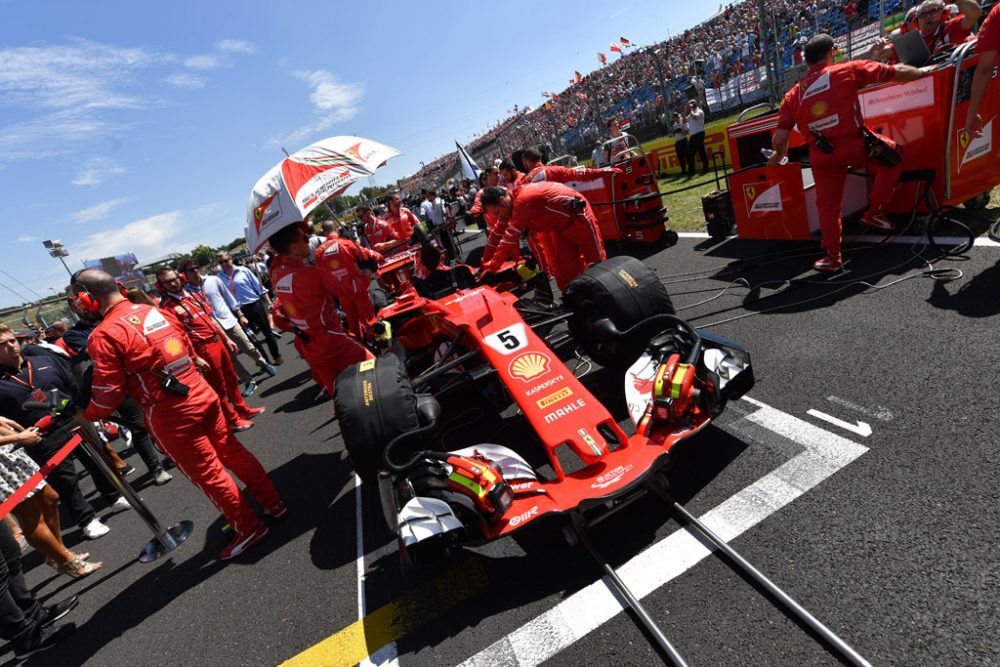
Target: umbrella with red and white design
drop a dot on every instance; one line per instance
(305, 179)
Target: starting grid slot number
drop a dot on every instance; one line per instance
(509, 340)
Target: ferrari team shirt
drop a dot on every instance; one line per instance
(989, 32)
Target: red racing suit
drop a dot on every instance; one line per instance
(402, 223)
(562, 224)
(555, 173)
(989, 32)
(493, 232)
(340, 257)
(305, 300)
(380, 231)
(826, 101)
(195, 315)
(132, 348)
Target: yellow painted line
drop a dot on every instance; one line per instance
(396, 619)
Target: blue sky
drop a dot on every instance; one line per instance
(142, 126)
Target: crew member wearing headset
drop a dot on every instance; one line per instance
(143, 352)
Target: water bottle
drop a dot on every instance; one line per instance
(767, 153)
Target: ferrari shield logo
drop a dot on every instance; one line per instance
(134, 320)
(963, 138)
(750, 191)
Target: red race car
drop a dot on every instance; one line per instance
(453, 337)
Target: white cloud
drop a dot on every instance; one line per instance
(235, 46)
(333, 100)
(163, 233)
(97, 170)
(206, 61)
(185, 80)
(68, 91)
(27, 239)
(79, 75)
(97, 211)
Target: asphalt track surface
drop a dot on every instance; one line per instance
(890, 539)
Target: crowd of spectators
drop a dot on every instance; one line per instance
(645, 85)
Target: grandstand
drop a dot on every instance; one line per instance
(728, 57)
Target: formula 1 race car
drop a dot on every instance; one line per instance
(454, 337)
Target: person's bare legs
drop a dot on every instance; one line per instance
(30, 514)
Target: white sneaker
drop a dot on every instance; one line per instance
(162, 478)
(95, 529)
(121, 504)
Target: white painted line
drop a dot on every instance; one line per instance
(861, 428)
(878, 412)
(905, 240)
(583, 612)
(387, 655)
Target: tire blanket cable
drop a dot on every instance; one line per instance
(917, 250)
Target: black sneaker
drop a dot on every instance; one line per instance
(54, 612)
(41, 639)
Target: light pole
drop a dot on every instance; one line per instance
(56, 249)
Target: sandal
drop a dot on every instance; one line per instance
(82, 556)
(77, 568)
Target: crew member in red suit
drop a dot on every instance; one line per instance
(142, 352)
(936, 25)
(380, 234)
(538, 172)
(824, 105)
(210, 344)
(306, 308)
(352, 266)
(400, 218)
(489, 178)
(509, 175)
(987, 46)
(558, 218)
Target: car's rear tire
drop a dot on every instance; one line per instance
(622, 289)
(375, 402)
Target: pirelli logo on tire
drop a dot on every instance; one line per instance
(627, 278)
(554, 397)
